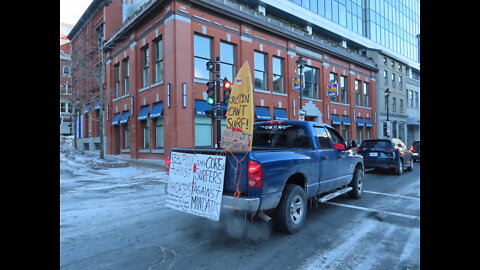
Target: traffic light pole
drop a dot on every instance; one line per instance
(217, 108)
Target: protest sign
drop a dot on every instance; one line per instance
(195, 184)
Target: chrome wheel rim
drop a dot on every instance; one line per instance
(296, 209)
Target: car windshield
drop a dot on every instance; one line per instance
(280, 135)
(383, 144)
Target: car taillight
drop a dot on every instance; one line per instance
(392, 150)
(412, 148)
(167, 162)
(254, 174)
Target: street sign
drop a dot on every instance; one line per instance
(332, 90)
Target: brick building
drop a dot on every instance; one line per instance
(155, 74)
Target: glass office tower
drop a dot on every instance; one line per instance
(393, 24)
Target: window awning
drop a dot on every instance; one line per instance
(116, 119)
(346, 120)
(97, 105)
(360, 122)
(87, 108)
(280, 114)
(144, 111)
(262, 113)
(335, 120)
(125, 116)
(157, 110)
(368, 122)
(201, 106)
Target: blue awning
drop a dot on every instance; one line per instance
(368, 122)
(97, 105)
(116, 119)
(201, 106)
(125, 116)
(346, 120)
(157, 110)
(360, 122)
(280, 114)
(335, 120)
(87, 108)
(144, 111)
(262, 113)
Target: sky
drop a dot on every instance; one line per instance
(72, 10)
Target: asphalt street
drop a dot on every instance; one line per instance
(111, 224)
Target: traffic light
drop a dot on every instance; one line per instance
(227, 89)
(211, 92)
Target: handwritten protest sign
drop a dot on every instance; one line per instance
(195, 184)
(239, 124)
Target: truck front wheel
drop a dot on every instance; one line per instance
(291, 212)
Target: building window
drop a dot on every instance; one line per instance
(260, 70)
(158, 60)
(63, 107)
(66, 71)
(393, 79)
(117, 79)
(393, 64)
(159, 133)
(227, 61)
(410, 98)
(99, 31)
(202, 51)
(385, 77)
(359, 135)
(358, 100)
(333, 79)
(384, 61)
(343, 89)
(146, 134)
(203, 131)
(311, 82)
(367, 132)
(416, 100)
(126, 136)
(394, 104)
(344, 132)
(277, 74)
(145, 66)
(401, 105)
(366, 95)
(126, 76)
(400, 82)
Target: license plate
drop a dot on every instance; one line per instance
(374, 154)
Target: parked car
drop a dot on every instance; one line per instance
(415, 148)
(386, 153)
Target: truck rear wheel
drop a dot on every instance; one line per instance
(291, 212)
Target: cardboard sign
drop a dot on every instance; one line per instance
(239, 124)
(195, 184)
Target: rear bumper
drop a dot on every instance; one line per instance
(251, 204)
(379, 163)
(240, 204)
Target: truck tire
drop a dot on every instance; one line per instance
(356, 184)
(291, 212)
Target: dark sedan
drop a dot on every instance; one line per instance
(415, 148)
(386, 153)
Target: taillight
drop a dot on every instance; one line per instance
(392, 150)
(167, 162)
(412, 148)
(254, 174)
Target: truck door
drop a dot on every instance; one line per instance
(327, 156)
(343, 163)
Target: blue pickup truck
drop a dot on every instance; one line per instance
(290, 162)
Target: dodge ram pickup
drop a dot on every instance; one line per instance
(290, 162)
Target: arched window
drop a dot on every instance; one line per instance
(66, 71)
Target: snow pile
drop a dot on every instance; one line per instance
(75, 164)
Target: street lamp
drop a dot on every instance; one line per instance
(301, 64)
(387, 94)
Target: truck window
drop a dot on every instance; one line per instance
(337, 138)
(322, 137)
(284, 135)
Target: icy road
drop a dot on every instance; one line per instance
(115, 218)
